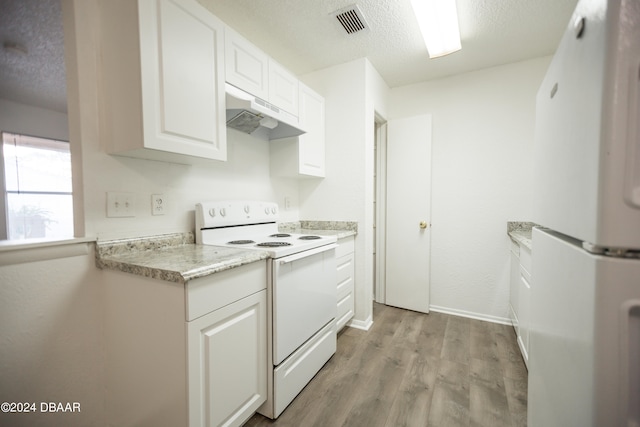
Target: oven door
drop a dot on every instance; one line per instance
(304, 297)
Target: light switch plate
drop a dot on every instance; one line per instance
(120, 204)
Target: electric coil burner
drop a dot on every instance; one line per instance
(241, 242)
(273, 244)
(301, 291)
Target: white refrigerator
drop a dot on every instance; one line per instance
(584, 348)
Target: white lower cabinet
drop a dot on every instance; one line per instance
(227, 351)
(186, 355)
(520, 296)
(514, 284)
(345, 280)
(524, 303)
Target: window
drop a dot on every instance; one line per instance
(37, 187)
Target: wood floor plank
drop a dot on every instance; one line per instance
(450, 403)
(483, 344)
(431, 335)
(409, 329)
(516, 391)
(488, 400)
(509, 353)
(488, 406)
(488, 372)
(413, 400)
(456, 344)
(372, 407)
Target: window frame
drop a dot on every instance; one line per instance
(35, 142)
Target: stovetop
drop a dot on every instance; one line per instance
(276, 244)
(250, 225)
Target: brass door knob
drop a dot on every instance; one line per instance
(423, 224)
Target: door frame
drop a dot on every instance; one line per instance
(380, 209)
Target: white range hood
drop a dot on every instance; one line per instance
(247, 113)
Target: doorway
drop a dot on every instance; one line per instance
(402, 210)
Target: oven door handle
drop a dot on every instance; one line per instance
(305, 254)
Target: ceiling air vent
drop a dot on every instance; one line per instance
(351, 19)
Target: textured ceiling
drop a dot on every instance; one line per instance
(36, 77)
(304, 36)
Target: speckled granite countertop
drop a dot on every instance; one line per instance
(340, 229)
(170, 257)
(520, 232)
(176, 258)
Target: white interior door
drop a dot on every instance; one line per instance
(408, 210)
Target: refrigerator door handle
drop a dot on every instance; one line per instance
(632, 178)
(630, 369)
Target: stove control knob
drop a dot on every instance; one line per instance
(212, 212)
(273, 210)
(266, 211)
(223, 212)
(246, 208)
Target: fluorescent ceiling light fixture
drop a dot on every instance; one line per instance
(438, 20)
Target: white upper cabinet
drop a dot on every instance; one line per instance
(311, 150)
(163, 74)
(302, 156)
(253, 71)
(247, 67)
(283, 88)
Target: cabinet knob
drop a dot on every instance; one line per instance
(423, 224)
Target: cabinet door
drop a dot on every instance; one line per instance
(283, 88)
(514, 285)
(227, 351)
(246, 65)
(182, 72)
(311, 148)
(524, 316)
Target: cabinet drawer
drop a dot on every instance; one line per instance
(524, 315)
(515, 248)
(345, 310)
(217, 290)
(344, 275)
(292, 375)
(525, 258)
(345, 246)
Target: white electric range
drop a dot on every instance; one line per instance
(301, 290)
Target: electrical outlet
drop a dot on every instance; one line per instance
(120, 204)
(287, 203)
(158, 204)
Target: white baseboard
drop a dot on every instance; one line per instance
(360, 324)
(471, 315)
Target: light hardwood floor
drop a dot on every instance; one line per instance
(413, 369)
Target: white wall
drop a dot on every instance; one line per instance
(483, 125)
(33, 121)
(244, 176)
(353, 92)
(51, 345)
